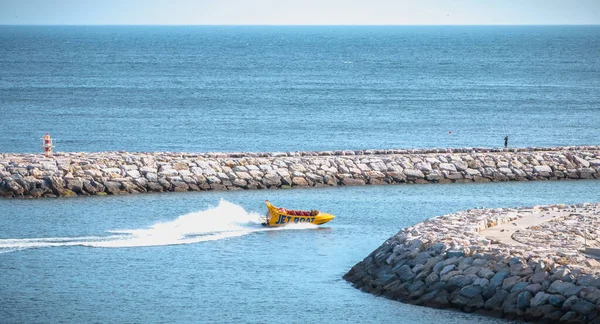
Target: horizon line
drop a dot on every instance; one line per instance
(295, 25)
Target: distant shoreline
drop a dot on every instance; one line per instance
(101, 173)
(302, 25)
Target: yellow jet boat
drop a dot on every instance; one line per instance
(281, 216)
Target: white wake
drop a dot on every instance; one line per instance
(223, 221)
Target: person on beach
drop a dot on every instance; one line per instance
(506, 141)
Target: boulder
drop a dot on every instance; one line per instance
(460, 281)
(299, 182)
(470, 291)
(583, 307)
(566, 289)
(539, 299)
(56, 184)
(271, 180)
(431, 278)
(12, 187)
(570, 317)
(509, 307)
(413, 174)
(405, 273)
(351, 182)
(447, 269)
(76, 185)
(534, 288)
(519, 286)
(154, 187)
(536, 312)
(543, 169)
(539, 277)
(486, 273)
(588, 280)
(591, 294)
(582, 162)
(498, 278)
(556, 300)
(112, 187)
(447, 167)
(523, 299)
(509, 282)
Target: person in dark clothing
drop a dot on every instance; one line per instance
(506, 141)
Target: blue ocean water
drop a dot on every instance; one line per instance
(240, 88)
(202, 257)
(195, 258)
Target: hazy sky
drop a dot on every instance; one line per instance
(299, 12)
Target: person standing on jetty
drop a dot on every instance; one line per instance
(506, 141)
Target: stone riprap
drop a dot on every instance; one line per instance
(527, 264)
(71, 174)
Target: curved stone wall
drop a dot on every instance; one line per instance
(529, 264)
(70, 174)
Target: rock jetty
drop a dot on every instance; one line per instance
(74, 174)
(527, 264)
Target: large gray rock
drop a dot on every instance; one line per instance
(498, 278)
(405, 273)
(581, 161)
(509, 282)
(415, 287)
(583, 307)
(539, 277)
(462, 280)
(542, 311)
(152, 177)
(591, 294)
(447, 269)
(154, 187)
(589, 280)
(413, 174)
(271, 180)
(510, 304)
(350, 182)
(566, 289)
(438, 266)
(570, 317)
(481, 282)
(112, 187)
(461, 165)
(471, 291)
(496, 299)
(431, 278)
(523, 299)
(542, 169)
(486, 273)
(447, 167)
(519, 286)
(56, 184)
(562, 274)
(76, 185)
(556, 300)
(539, 299)
(534, 288)
(12, 187)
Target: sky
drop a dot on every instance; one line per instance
(299, 12)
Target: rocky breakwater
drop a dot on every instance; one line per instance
(71, 174)
(528, 264)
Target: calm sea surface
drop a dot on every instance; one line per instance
(199, 89)
(203, 257)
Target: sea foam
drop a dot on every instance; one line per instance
(226, 220)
